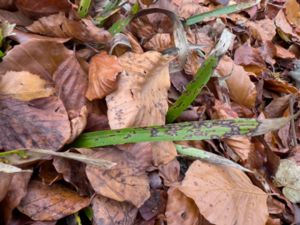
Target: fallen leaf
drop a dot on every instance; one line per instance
(6, 4)
(35, 120)
(15, 193)
(287, 31)
(170, 172)
(58, 25)
(6, 179)
(181, 209)
(24, 85)
(103, 72)
(263, 30)
(42, 7)
(14, 18)
(241, 145)
(107, 212)
(250, 59)
(127, 181)
(155, 205)
(44, 202)
(241, 89)
(284, 53)
(141, 98)
(292, 9)
(280, 86)
(202, 39)
(159, 42)
(277, 106)
(287, 176)
(225, 195)
(190, 8)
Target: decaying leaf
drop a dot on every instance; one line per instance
(287, 176)
(225, 195)
(292, 9)
(17, 190)
(44, 202)
(241, 145)
(127, 181)
(241, 89)
(285, 29)
(160, 42)
(263, 30)
(103, 72)
(24, 85)
(43, 123)
(5, 183)
(181, 209)
(141, 97)
(107, 212)
(58, 25)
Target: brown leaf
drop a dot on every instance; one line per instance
(6, 4)
(5, 183)
(284, 53)
(58, 25)
(14, 17)
(224, 195)
(44, 202)
(42, 7)
(241, 89)
(47, 173)
(250, 59)
(74, 173)
(241, 145)
(127, 181)
(108, 212)
(16, 191)
(141, 98)
(190, 8)
(170, 172)
(280, 86)
(24, 86)
(202, 39)
(136, 47)
(155, 205)
(277, 106)
(103, 72)
(292, 9)
(35, 120)
(282, 23)
(263, 30)
(159, 42)
(181, 209)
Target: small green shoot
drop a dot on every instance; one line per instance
(84, 8)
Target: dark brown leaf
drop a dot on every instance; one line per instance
(43, 123)
(14, 17)
(44, 202)
(5, 183)
(16, 191)
(108, 212)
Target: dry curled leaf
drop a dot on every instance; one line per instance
(190, 8)
(16, 191)
(225, 195)
(58, 25)
(24, 85)
(141, 98)
(127, 181)
(292, 9)
(107, 211)
(35, 120)
(44, 202)
(282, 23)
(262, 30)
(159, 42)
(103, 72)
(241, 89)
(14, 18)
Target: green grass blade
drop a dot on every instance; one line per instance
(197, 130)
(84, 8)
(208, 156)
(193, 88)
(221, 11)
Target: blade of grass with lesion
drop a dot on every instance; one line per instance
(83, 9)
(197, 130)
(201, 78)
(220, 11)
(208, 157)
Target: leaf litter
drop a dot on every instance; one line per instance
(181, 112)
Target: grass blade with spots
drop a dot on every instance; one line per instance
(84, 8)
(193, 88)
(221, 11)
(197, 130)
(208, 157)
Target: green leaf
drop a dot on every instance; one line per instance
(208, 156)
(197, 130)
(193, 88)
(220, 11)
(88, 212)
(84, 8)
